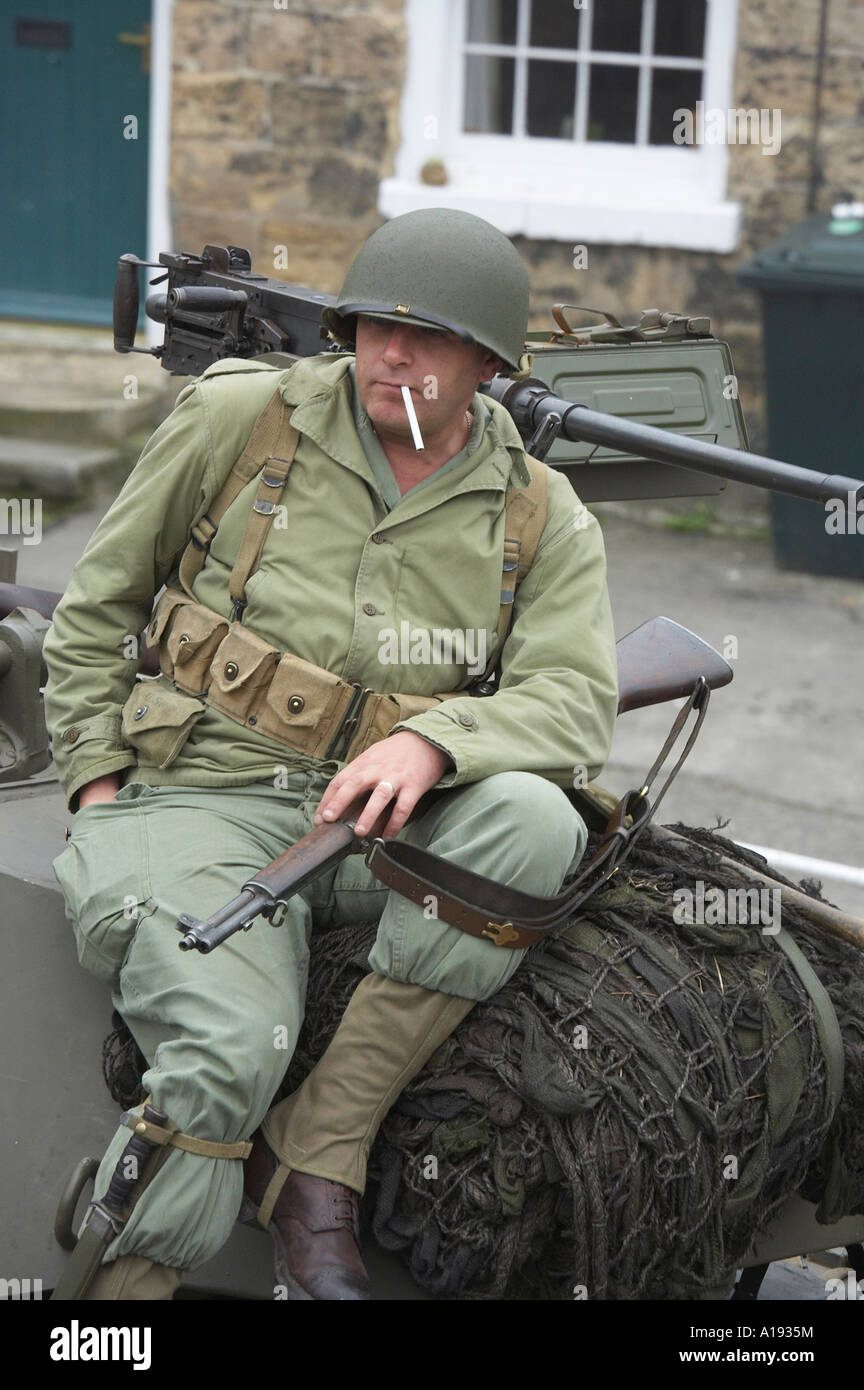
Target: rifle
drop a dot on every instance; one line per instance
(658, 661)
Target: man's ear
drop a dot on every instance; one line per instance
(490, 366)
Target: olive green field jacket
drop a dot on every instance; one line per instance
(341, 583)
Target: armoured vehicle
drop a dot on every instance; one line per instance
(583, 405)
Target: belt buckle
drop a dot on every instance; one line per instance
(500, 935)
(348, 719)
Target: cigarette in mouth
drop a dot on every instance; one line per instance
(412, 418)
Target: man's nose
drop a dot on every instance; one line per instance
(397, 347)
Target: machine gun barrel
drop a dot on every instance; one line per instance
(531, 403)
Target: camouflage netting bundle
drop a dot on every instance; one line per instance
(629, 1111)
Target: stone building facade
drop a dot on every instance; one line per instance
(286, 118)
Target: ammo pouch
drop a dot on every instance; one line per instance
(157, 721)
(282, 696)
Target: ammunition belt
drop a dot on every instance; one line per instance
(274, 693)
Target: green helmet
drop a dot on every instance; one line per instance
(438, 267)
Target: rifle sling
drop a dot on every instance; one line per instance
(506, 916)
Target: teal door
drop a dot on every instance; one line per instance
(74, 117)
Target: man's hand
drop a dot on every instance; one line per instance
(403, 766)
(100, 789)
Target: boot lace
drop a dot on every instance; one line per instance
(345, 1205)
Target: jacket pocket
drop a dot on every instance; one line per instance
(157, 721)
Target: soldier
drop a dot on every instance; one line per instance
(297, 682)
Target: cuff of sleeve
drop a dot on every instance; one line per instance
(452, 731)
(88, 749)
(100, 769)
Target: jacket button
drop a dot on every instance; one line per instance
(378, 538)
(140, 712)
(468, 720)
(369, 609)
(71, 735)
(231, 671)
(296, 703)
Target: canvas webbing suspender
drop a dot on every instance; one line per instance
(272, 430)
(525, 517)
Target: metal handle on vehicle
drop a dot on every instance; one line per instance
(83, 1172)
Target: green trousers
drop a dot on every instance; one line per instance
(219, 1030)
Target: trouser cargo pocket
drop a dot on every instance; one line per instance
(157, 721)
(103, 872)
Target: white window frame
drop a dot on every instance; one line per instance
(159, 229)
(578, 192)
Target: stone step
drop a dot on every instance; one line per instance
(69, 383)
(40, 468)
(73, 412)
(76, 417)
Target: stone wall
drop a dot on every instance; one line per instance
(284, 123)
(286, 119)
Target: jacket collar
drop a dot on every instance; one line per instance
(319, 390)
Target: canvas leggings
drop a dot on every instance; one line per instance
(219, 1030)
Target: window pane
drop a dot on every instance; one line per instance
(612, 103)
(551, 97)
(679, 31)
(489, 94)
(673, 91)
(492, 21)
(618, 25)
(554, 24)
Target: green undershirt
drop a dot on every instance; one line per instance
(380, 464)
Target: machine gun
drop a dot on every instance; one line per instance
(605, 380)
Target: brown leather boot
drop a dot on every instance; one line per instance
(315, 1225)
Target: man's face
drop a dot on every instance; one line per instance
(441, 371)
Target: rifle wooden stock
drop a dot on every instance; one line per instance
(322, 848)
(313, 854)
(661, 660)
